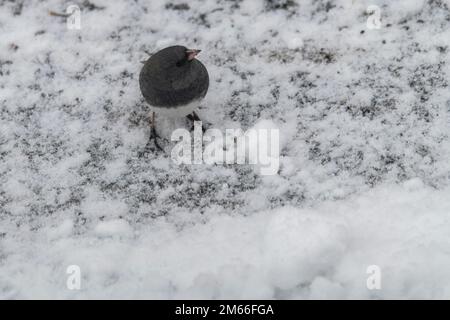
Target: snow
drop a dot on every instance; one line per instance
(112, 228)
(363, 173)
(317, 252)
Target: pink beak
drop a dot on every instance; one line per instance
(192, 53)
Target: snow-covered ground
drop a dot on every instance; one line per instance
(364, 173)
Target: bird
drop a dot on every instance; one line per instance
(173, 82)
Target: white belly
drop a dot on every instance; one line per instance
(180, 111)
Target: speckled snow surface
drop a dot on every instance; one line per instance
(364, 166)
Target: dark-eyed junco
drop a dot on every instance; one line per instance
(173, 82)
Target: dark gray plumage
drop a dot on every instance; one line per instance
(172, 81)
(171, 78)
